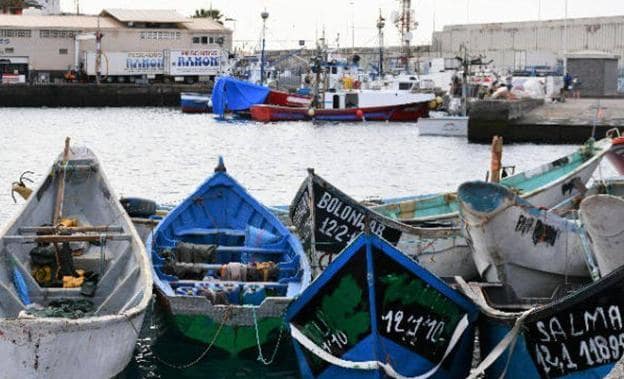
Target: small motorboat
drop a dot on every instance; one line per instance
(443, 124)
(375, 313)
(75, 281)
(193, 102)
(226, 268)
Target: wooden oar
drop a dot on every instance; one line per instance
(60, 193)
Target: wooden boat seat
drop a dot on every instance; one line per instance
(192, 283)
(63, 238)
(208, 232)
(247, 249)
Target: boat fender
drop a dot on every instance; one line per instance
(233, 271)
(137, 207)
(311, 112)
(359, 114)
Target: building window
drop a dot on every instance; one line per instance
(211, 39)
(204, 40)
(196, 40)
(161, 35)
(15, 33)
(9, 50)
(63, 52)
(71, 34)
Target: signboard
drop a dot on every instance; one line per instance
(126, 63)
(13, 79)
(581, 334)
(194, 62)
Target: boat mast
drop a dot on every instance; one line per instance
(265, 16)
(381, 23)
(405, 27)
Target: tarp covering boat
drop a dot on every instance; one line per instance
(231, 94)
(375, 313)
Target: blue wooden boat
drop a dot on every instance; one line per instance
(226, 268)
(579, 335)
(375, 313)
(192, 102)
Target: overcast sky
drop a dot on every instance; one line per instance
(292, 20)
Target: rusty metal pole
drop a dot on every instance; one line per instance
(496, 160)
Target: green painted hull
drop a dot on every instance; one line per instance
(234, 340)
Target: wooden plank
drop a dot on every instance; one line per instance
(60, 193)
(77, 229)
(61, 239)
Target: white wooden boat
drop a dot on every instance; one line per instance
(442, 124)
(34, 341)
(603, 218)
(530, 249)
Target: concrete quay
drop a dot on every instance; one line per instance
(93, 95)
(526, 121)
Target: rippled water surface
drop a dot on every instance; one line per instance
(164, 155)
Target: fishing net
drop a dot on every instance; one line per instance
(65, 308)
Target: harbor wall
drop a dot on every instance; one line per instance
(93, 95)
(516, 122)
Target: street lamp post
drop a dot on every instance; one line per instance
(265, 16)
(565, 40)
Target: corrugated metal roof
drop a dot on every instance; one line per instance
(145, 15)
(57, 22)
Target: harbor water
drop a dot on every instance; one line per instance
(164, 155)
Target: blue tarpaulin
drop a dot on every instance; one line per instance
(231, 94)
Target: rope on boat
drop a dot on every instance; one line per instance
(376, 365)
(203, 354)
(277, 345)
(506, 344)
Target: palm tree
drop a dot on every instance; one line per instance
(214, 14)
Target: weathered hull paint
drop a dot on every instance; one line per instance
(603, 218)
(62, 348)
(232, 339)
(530, 249)
(200, 321)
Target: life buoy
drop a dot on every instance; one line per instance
(357, 84)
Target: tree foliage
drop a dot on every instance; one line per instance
(214, 14)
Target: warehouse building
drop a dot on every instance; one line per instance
(518, 45)
(45, 47)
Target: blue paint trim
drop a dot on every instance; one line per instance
(370, 280)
